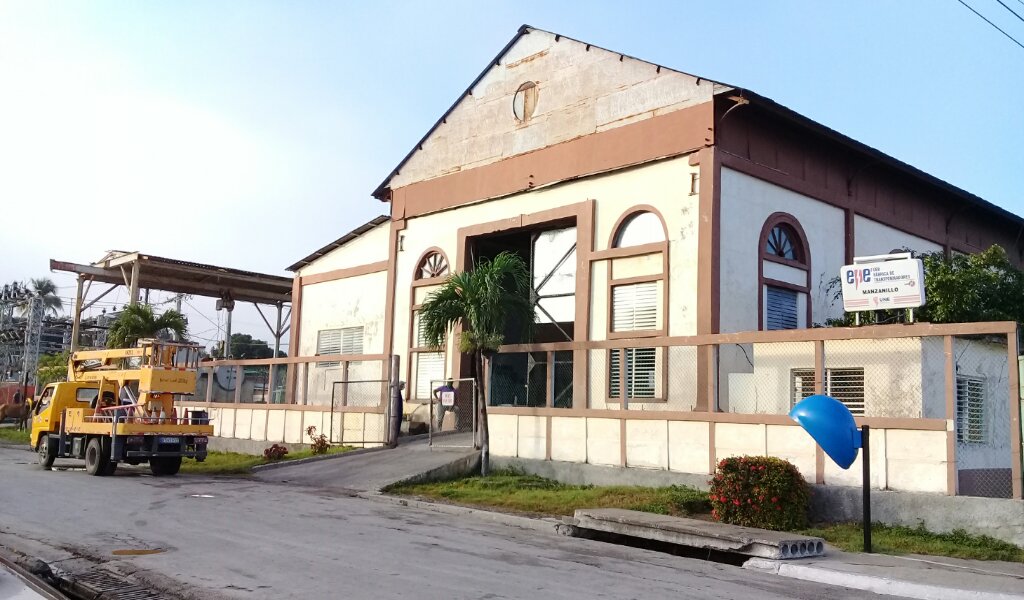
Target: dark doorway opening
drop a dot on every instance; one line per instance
(522, 379)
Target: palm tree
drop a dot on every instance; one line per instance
(138, 321)
(481, 301)
(43, 289)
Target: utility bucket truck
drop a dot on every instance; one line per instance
(118, 406)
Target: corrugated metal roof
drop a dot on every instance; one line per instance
(348, 237)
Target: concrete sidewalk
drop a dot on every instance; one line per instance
(911, 576)
(373, 471)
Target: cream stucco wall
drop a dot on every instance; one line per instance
(747, 202)
(580, 90)
(368, 248)
(663, 184)
(276, 425)
(902, 460)
(352, 302)
(872, 238)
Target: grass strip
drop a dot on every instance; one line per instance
(515, 491)
(234, 463)
(898, 539)
(11, 435)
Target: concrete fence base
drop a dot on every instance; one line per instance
(998, 518)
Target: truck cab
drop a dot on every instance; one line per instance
(55, 398)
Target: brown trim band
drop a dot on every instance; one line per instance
(1015, 409)
(629, 251)
(871, 332)
(671, 134)
(377, 410)
(337, 274)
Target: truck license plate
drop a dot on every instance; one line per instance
(170, 440)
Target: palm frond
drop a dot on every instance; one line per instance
(482, 301)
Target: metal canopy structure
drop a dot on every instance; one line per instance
(138, 271)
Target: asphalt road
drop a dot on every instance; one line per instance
(239, 538)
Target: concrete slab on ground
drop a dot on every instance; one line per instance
(925, 577)
(695, 533)
(373, 471)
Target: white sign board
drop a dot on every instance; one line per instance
(883, 284)
(448, 398)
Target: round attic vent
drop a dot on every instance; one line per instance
(525, 101)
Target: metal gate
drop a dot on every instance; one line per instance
(361, 405)
(453, 413)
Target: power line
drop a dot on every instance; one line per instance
(1013, 39)
(1011, 10)
(217, 325)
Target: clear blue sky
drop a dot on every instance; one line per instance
(248, 134)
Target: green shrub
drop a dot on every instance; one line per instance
(759, 491)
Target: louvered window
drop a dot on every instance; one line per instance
(641, 372)
(429, 371)
(347, 340)
(781, 310)
(845, 385)
(970, 410)
(420, 338)
(635, 307)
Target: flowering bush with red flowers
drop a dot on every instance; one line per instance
(275, 452)
(759, 491)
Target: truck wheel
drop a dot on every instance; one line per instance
(111, 467)
(47, 452)
(96, 460)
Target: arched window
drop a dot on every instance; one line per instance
(433, 264)
(784, 272)
(427, 365)
(783, 242)
(643, 227)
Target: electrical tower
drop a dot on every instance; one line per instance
(33, 336)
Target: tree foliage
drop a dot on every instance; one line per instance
(482, 302)
(245, 346)
(962, 288)
(52, 367)
(138, 321)
(45, 290)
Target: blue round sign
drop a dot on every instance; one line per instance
(831, 424)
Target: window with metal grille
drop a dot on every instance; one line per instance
(641, 371)
(635, 307)
(781, 308)
(970, 410)
(347, 340)
(845, 385)
(429, 373)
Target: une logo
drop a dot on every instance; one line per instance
(858, 276)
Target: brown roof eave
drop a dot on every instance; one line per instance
(789, 114)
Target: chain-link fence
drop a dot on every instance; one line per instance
(981, 416)
(453, 413)
(532, 379)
